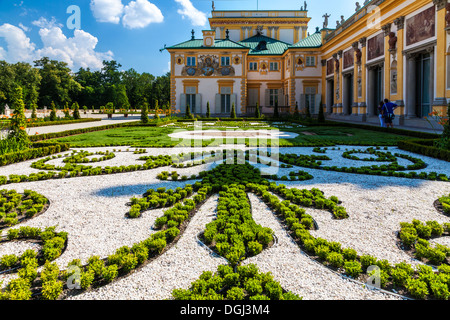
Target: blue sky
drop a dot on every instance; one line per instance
(128, 31)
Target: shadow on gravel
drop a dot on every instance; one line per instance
(138, 190)
(369, 182)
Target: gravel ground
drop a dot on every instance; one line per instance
(65, 127)
(92, 210)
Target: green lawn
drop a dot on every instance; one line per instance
(158, 137)
(341, 135)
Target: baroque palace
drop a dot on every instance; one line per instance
(394, 49)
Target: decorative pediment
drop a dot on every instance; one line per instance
(208, 66)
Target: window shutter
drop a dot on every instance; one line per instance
(182, 103)
(267, 98)
(302, 101)
(281, 102)
(218, 106)
(318, 99)
(198, 104)
(233, 99)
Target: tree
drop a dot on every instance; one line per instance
(53, 112)
(321, 117)
(276, 113)
(188, 112)
(296, 113)
(76, 111)
(34, 95)
(110, 73)
(18, 120)
(66, 111)
(122, 98)
(29, 79)
(208, 110)
(110, 108)
(110, 94)
(308, 112)
(57, 84)
(144, 88)
(233, 111)
(161, 89)
(19, 75)
(92, 92)
(144, 112)
(257, 111)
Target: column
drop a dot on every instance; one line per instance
(387, 62)
(354, 106)
(371, 94)
(296, 34)
(336, 91)
(411, 86)
(276, 32)
(304, 32)
(292, 93)
(400, 23)
(243, 33)
(440, 101)
(324, 92)
(340, 81)
(363, 100)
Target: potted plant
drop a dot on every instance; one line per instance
(110, 109)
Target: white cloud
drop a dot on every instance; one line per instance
(18, 46)
(107, 10)
(44, 23)
(78, 51)
(140, 13)
(24, 28)
(197, 17)
(2, 54)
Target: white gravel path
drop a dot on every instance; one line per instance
(65, 127)
(299, 273)
(177, 268)
(92, 210)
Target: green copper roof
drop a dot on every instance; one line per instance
(257, 45)
(313, 41)
(272, 46)
(198, 44)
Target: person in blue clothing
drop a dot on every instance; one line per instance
(380, 114)
(388, 113)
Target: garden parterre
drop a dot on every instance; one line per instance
(90, 209)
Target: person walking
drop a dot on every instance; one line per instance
(388, 113)
(380, 114)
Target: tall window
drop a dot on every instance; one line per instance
(253, 66)
(274, 66)
(191, 93)
(225, 61)
(225, 102)
(225, 99)
(190, 61)
(310, 93)
(273, 95)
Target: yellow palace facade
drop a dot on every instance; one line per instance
(394, 49)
